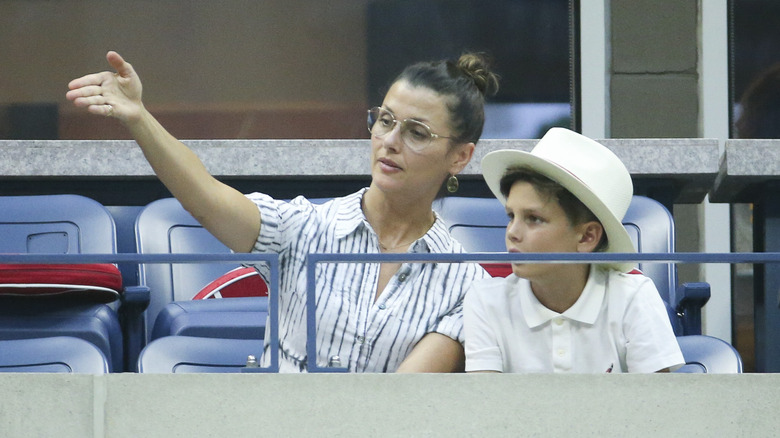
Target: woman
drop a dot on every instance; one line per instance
(373, 318)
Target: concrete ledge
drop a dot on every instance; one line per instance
(133, 405)
(746, 166)
(690, 165)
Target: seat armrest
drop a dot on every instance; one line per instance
(135, 300)
(693, 296)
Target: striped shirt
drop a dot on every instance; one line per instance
(367, 335)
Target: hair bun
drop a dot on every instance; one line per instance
(477, 67)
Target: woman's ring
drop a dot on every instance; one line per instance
(110, 111)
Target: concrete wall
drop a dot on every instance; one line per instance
(654, 78)
(227, 69)
(654, 88)
(280, 51)
(449, 405)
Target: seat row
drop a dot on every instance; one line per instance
(155, 303)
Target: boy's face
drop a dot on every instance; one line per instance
(539, 225)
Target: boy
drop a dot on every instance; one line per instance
(569, 194)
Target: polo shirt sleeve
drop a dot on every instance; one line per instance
(482, 347)
(651, 343)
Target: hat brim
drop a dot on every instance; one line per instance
(495, 165)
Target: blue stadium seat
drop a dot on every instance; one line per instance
(164, 227)
(236, 318)
(706, 354)
(479, 224)
(59, 224)
(55, 354)
(651, 228)
(187, 354)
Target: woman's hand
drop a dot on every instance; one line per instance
(110, 94)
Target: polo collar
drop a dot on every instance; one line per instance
(585, 310)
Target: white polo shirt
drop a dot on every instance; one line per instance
(619, 324)
(367, 335)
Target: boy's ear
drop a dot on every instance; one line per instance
(590, 236)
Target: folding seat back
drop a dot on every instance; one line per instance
(55, 224)
(479, 224)
(55, 354)
(60, 299)
(651, 228)
(164, 227)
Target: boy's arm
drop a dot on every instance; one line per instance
(483, 353)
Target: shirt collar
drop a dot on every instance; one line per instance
(350, 218)
(585, 310)
(349, 215)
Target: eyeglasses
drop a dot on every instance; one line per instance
(416, 135)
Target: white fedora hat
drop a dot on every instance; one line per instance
(587, 169)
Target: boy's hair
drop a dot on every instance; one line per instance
(576, 212)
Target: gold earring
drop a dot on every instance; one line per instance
(452, 184)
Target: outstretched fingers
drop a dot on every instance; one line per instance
(107, 93)
(122, 67)
(77, 86)
(84, 95)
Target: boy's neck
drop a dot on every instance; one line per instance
(561, 292)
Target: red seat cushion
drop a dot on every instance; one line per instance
(240, 282)
(498, 269)
(246, 282)
(504, 269)
(100, 282)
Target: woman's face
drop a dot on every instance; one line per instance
(398, 168)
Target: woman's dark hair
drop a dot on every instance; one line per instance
(466, 81)
(575, 210)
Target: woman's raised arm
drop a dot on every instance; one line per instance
(225, 212)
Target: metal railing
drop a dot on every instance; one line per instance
(314, 259)
(271, 259)
(678, 257)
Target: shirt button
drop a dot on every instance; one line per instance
(402, 277)
(561, 352)
(382, 306)
(361, 339)
(558, 321)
